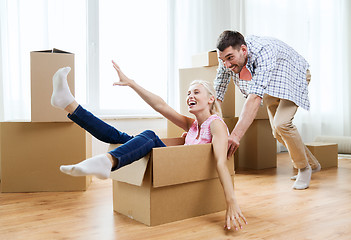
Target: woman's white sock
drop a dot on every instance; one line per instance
(99, 166)
(303, 178)
(61, 95)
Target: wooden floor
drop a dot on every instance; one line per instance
(272, 208)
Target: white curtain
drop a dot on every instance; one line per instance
(318, 30)
(14, 91)
(194, 27)
(27, 26)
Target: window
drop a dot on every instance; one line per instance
(27, 26)
(134, 34)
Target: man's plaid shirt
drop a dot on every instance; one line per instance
(276, 69)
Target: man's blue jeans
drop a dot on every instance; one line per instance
(133, 148)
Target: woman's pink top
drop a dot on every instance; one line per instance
(205, 132)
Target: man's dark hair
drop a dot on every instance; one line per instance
(230, 38)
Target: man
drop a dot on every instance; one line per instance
(267, 69)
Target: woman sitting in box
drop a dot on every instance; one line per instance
(207, 127)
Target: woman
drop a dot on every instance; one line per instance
(207, 127)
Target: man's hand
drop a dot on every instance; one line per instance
(233, 144)
(248, 114)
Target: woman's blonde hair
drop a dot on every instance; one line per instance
(215, 108)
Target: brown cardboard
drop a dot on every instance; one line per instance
(133, 173)
(44, 65)
(229, 102)
(326, 153)
(173, 131)
(206, 59)
(31, 154)
(179, 182)
(258, 147)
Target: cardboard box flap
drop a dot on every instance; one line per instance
(182, 164)
(54, 50)
(317, 144)
(132, 173)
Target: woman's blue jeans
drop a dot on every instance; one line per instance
(133, 148)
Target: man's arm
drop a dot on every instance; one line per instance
(246, 118)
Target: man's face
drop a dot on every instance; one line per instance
(234, 59)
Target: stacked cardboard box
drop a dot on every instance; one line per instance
(170, 184)
(31, 152)
(258, 147)
(44, 64)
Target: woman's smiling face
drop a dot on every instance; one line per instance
(198, 98)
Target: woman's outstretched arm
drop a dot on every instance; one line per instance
(155, 101)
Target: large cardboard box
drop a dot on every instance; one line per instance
(31, 154)
(206, 59)
(170, 184)
(258, 147)
(44, 64)
(326, 153)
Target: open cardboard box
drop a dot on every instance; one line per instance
(169, 184)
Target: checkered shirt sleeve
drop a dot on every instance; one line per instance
(222, 80)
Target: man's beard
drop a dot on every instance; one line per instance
(237, 68)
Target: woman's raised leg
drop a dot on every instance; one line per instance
(63, 99)
(99, 165)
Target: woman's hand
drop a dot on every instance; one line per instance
(123, 79)
(234, 217)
